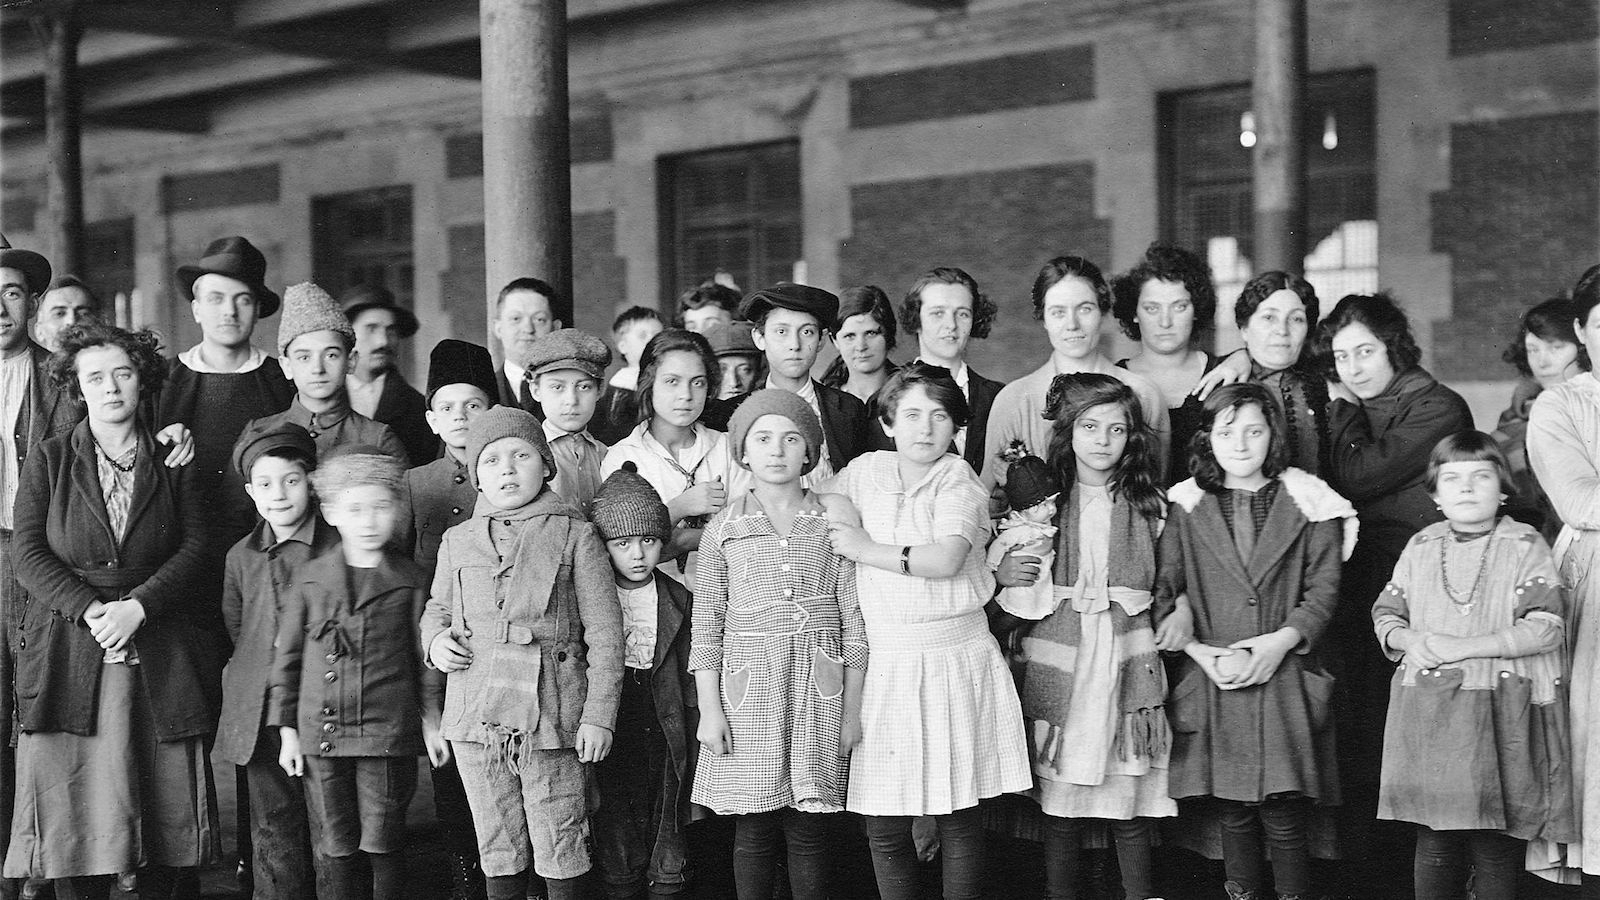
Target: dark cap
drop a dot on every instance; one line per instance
(788, 295)
(460, 362)
(236, 258)
(568, 348)
(732, 339)
(34, 267)
(363, 297)
(259, 440)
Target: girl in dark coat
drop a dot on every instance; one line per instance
(117, 674)
(1255, 547)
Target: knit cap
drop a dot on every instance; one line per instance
(502, 422)
(460, 362)
(260, 439)
(1029, 480)
(308, 308)
(775, 402)
(356, 465)
(568, 348)
(627, 506)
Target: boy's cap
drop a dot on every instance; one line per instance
(627, 506)
(732, 339)
(568, 348)
(502, 422)
(308, 308)
(363, 297)
(775, 402)
(460, 362)
(355, 465)
(260, 439)
(788, 295)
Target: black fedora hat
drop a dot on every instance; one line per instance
(363, 297)
(238, 259)
(35, 268)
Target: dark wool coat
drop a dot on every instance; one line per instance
(1251, 743)
(401, 408)
(347, 672)
(672, 684)
(259, 571)
(46, 412)
(441, 496)
(67, 557)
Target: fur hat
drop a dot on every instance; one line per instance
(306, 309)
(568, 348)
(502, 422)
(355, 465)
(627, 506)
(458, 362)
(34, 267)
(259, 439)
(1030, 480)
(788, 295)
(238, 259)
(363, 297)
(775, 402)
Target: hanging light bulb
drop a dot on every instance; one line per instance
(1247, 129)
(1330, 132)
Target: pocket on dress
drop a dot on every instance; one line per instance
(1186, 708)
(827, 674)
(736, 687)
(1318, 687)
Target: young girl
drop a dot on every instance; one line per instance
(1256, 548)
(778, 651)
(941, 728)
(1092, 685)
(686, 462)
(1475, 747)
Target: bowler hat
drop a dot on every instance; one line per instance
(363, 297)
(35, 268)
(788, 295)
(238, 259)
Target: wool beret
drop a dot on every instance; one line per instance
(356, 465)
(460, 362)
(502, 422)
(568, 348)
(732, 339)
(775, 402)
(261, 439)
(627, 506)
(788, 295)
(306, 309)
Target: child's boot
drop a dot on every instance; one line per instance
(1235, 892)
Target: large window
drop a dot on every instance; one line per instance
(735, 210)
(1207, 203)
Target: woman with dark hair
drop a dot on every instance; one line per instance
(1561, 446)
(1165, 303)
(1386, 417)
(1070, 298)
(117, 675)
(687, 462)
(944, 310)
(1546, 353)
(863, 333)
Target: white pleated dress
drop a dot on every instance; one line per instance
(941, 723)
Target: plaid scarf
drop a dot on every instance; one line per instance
(1047, 688)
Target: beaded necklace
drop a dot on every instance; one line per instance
(1464, 604)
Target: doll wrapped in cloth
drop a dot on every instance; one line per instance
(1028, 530)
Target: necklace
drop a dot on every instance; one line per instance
(132, 454)
(1463, 604)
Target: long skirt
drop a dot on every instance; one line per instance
(112, 801)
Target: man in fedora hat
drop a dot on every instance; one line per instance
(377, 389)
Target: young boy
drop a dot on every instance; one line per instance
(461, 385)
(524, 621)
(314, 344)
(644, 801)
(619, 403)
(352, 700)
(275, 464)
(565, 368)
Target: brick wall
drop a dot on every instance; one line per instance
(1520, 222)
(999, 226)
(1485, 26)
(1061, 75)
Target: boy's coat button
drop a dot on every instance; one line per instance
(460, 479)
(325, 746)
(562, 656)
(330, 677)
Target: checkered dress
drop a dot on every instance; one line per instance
(779, 618)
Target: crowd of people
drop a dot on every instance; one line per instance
(1285, 608)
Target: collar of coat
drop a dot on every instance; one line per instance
(1311, 495)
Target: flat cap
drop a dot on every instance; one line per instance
(568, 348)
(259, 440)
(732, 339)
(788, 295)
